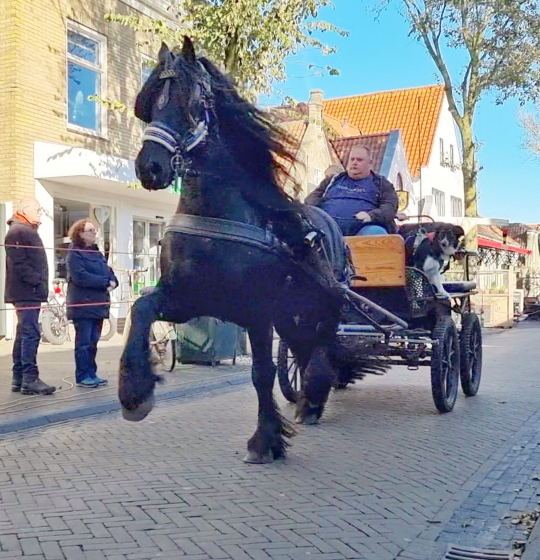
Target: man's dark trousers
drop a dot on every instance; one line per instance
(87, 333)
(26, 343)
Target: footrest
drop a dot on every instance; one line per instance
(356, 329)
(459, 287)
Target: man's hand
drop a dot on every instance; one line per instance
(363, 217)
(112, 286)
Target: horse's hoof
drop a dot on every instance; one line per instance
(311, 420)
(307, 420)
(254, 458)
(141, 412)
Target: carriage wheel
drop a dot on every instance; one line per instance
(470, 342)
(289, 375)
(445, 364)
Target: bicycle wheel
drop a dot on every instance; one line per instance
(163, 346)
(109, 328)
(54, 328)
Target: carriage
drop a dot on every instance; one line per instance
(403, 321)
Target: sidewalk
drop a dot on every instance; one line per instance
(56, 364)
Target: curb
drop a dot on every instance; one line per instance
(532, 549)
(113, 405)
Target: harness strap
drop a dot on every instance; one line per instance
(228, 230)
(420, 236)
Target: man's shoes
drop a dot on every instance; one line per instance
(100, 381)
(88, 382)
(36, 387)
(16, 382)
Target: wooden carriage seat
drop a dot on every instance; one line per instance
(379, 258)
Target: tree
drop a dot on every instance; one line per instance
(501, 43)
(530, 122)
(249, 39)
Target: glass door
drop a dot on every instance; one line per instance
(146, 250)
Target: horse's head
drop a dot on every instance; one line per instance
(176, 103)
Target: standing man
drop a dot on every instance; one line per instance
(27, 286)
(360, 201)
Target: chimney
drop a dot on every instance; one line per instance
(345, 125)
(315, 105)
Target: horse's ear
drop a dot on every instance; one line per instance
(163, 53)
(188, 51)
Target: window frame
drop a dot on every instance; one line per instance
(75, 27)
(456, 202)
(442, 154)
(452, 155)
(149, 259)
(399, 182)
(146, 58)
(439, 197)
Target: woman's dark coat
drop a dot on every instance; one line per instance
(88, 276)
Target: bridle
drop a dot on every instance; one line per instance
(180, 145)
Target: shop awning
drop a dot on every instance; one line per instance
(491, 244)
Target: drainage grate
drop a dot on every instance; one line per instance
(461, 553)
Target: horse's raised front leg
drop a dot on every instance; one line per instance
(316, 388)
(136, 378)
(268, 442)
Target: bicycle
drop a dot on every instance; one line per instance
(162, 334)
(56, 328)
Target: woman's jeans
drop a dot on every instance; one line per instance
(87, 333)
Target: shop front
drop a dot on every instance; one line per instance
(129, 221)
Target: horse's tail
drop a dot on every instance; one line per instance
(352, 359)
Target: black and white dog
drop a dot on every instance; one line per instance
(429, 247)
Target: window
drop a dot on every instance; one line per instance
(147, 66)
(451, 155)
(441, 147)
(86, 58)
(438, 197)
(457, 207)
(146, 236)
(66, 212)
(317, 176)
(399, 182)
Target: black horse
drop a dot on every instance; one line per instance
(236, 247)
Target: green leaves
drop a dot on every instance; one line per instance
(249, 39)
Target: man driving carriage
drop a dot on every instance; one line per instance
(359, 200)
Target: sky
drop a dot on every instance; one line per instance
(379, 55)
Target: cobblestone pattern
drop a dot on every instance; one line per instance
(379, 479)
(511, 487)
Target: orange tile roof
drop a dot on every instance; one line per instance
(342, 128)
(375, 142)
(295, 131)
(414, 111)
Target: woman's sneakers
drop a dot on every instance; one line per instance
(92, 382)
(88, 382)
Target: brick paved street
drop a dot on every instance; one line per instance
(383, 477)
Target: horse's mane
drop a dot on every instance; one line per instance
(262, 148)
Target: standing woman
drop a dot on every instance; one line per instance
(90, 279)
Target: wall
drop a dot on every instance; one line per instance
(33, 90)
(395, 162)
(435, 176)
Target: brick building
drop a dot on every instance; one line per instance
(71, 153)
